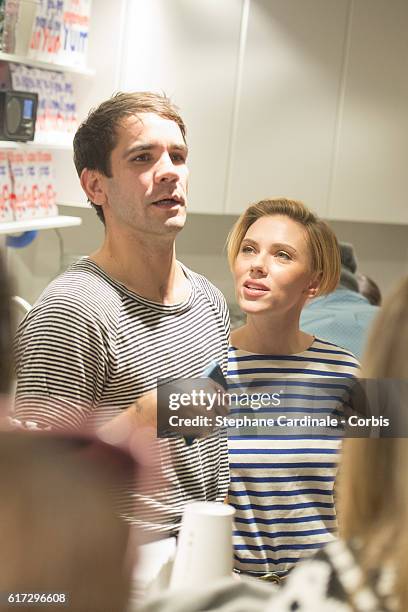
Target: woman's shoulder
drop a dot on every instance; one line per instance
(333, 353)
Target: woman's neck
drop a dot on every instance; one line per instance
(268, 335)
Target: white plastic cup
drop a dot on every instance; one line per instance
(204, 550)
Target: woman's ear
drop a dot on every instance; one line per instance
(93, 183)
(314, 286)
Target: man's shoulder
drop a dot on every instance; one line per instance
(207, 287)
(84, 284)
(83, 292)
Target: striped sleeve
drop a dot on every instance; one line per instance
(61, 361)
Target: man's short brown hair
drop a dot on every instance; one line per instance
(96, 137)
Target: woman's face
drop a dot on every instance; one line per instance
(272, 271)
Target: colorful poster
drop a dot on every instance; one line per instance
(46, 186)
(60, 32)
(47, 27)
(57, 110)
(19, 192)
(30, 188)
(6, 213)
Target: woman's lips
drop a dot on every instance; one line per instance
(254, 290)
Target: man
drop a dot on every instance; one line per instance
(94, 345)
(344, 316)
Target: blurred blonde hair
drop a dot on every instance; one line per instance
(324, 248)
(373, 487)
(59, 531)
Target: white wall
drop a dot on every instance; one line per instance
(288, 103)
(370, 159)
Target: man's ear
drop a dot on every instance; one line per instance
(92, 182)
(314, 285)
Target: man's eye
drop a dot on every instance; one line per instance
(178, 158)
(143, 157)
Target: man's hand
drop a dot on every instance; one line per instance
(190, 407)
(139, 420)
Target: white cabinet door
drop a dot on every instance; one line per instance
(189, 50)
(287, 111)
(371, 179)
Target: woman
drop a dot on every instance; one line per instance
(282, 481)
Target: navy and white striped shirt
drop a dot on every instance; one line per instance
(90, 347)
(282, 479)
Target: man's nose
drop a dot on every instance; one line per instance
(166, 169)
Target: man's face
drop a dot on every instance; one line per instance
(147, 191)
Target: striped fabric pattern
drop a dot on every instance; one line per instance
(90, 347)
(282, 479)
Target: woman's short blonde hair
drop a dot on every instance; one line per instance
(324, 248)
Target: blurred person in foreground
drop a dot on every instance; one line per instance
(61, 539)
(366, 569)
(62, 544)
(344, 315)
(282, 479)
(92, 349)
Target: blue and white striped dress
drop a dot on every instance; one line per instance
(282, 479)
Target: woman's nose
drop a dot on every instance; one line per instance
(258, 264)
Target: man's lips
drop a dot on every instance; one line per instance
(169, 201)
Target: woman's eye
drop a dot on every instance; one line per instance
(247, 249)
(283, 255)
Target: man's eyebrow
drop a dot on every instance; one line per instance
(150, 146)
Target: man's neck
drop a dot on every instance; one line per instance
(146, 267)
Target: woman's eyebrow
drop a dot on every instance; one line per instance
(284, 245)
(274, 245)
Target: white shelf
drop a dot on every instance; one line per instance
(15, 227)
(13, 144)
(21, 59)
